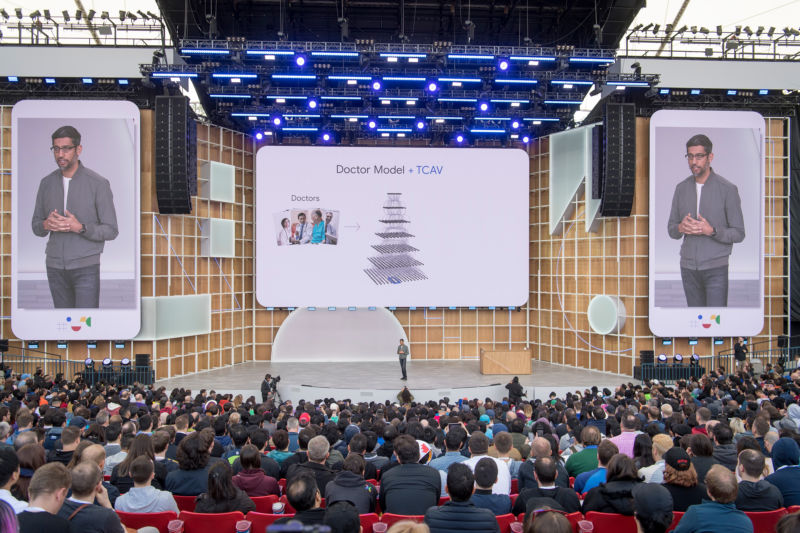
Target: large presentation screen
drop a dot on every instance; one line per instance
(75, 220)
(374, 226)
(706, 223)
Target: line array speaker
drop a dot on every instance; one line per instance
(619, 161)
(176, 155)
(142, 359)
(646, 357)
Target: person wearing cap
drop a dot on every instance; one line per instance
(680, 479)
(719, 515)
(755, 494)
(785, 456)
(655, 472)
(652, 508)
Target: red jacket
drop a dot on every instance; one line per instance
(256, 483)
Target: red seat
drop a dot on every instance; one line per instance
(514, 499)
(264, 503)
(260, 521)
(505, 521)
(368, 520)
(765, 520)
(571, 482)
(574, 518)
(106, 477)
(210, 522)
(282, 485)
(676, 517)
(140, 520)
(617, 523)
(389, 518)
(443, 500)
(288, 509)
(793, 509)
(185, 503)
(514, 486)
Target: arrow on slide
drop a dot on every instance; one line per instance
(357, 226)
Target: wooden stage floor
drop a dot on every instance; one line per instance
(380, 381)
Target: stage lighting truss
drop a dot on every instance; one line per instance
(253, 81)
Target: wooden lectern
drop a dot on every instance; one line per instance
(506, 362)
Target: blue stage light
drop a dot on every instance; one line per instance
(526, 139)
(300, 60)
(13, 79)
(87, 81)
(376, 85)
(276, 121)
(312, 104)
(174, 74)
(460, 138)
(515, 124)
(204, 51)
(326, 137)
(503, 64)
(259, 136)
(761, 92)
(122, 81)
(483, 106)
(693, 341)
(732, 92)
(50, 81)
(292, 77)
(433, 87)
(420, 124)
(372, 124)
(694, 92)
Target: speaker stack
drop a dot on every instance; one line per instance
(176, 155)
(618, 164)
(142, 371)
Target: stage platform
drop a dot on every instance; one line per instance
(427, 380)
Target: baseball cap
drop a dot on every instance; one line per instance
(677, 458)
(651, 500)
(78, 421)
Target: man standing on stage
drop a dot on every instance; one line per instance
(402, 353)
(740, 353)
(75, 210)
(707, 214)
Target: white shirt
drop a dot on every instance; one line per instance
(65, 180)
(283, 237)
(503, 484)
(15, 504)
(653, 473)
(699, 188)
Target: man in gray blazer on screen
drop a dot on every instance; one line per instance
(707, 214)
(75, 210)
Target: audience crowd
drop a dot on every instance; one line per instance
(711, 448)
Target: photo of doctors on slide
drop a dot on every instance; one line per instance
(307, 226)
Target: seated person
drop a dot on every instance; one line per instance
(252, 478)
(349, 485)
(460, 513)
(143, 497)
(303, 495)
(223, 496)
(485, 477)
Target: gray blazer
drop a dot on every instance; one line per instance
(92, 203)
(721, 206)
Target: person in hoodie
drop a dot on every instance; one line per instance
(785, 456)
(143, 497)
(616, 494)
(222, 495)
(793, 413)
(724, 449)
(755, 494)
(252, 478)
(70, 437)
(349, 485)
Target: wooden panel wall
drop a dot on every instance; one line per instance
(565, 272)
(568, 270)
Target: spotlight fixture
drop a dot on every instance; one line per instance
(312, 103)
(483, 106)
(132, 16)
(89, 362)
(326, 137)
(376, 85)
(78, 15)
(420, 124)
(4, 13)
(90, 15)
(35, 15)
(107, 362)
(276, 121)
(662, 359)
(503, 64)
(460, 138)
(677, 359)
(433, 87)
(514, 124)
(526, 139)
(125, 362)
(122, 15)
(143, 15)
(695, 359)
(372, 124)
(18, 12)
(259, 136)
(300, 60)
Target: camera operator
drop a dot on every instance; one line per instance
(269, 387)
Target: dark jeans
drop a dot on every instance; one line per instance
(403, 366)
(706, 288)
(76, 288)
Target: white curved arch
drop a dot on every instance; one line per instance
(340, 335)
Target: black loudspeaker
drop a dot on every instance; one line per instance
(646, 357)
(176, 155)
(619, 160)
(3, 345)
(142, 359)
(597, 162)
(783, 342)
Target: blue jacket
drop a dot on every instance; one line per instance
(459, 517)
(711, 517)
(496, 503)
